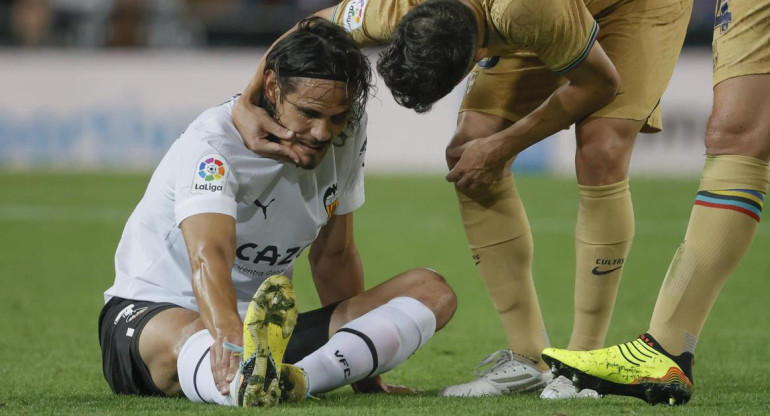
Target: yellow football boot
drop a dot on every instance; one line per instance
(268, 326)
(640, 368)
(293, 384)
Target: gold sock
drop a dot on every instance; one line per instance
(501, 242)
(603, 236)
(722, 225)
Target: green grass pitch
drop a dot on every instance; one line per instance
(59, 233)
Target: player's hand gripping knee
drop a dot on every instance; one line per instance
(261, 133)
(479, 164)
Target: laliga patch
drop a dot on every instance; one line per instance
(354, 15)
(210, 174)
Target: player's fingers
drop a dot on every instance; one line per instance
(257, 122)
(235, 361)
(473, 183)
(272, 127)
(215, 355)
(454, 175)
(462, 179)
(273, 150)
(284, 153)
(227, 368)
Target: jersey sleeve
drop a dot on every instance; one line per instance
(205, 181)
(560, 32)
(352, 195)
(371, 22)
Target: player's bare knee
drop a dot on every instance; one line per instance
(430, 288)
(604, 160)
(729, 135)
(601, 163)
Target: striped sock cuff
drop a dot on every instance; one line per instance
(745, 201)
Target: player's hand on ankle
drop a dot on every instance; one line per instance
(224, 361)
(377, 385)
(261, 133)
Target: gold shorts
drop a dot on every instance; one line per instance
(741, 38)
(643, 39)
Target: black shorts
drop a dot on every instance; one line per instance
(122, 320)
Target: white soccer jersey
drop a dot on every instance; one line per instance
(279, 209)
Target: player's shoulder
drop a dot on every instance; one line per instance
(214, 125)
(217, 120)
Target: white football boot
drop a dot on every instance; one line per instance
(502, 372)
(562, 388)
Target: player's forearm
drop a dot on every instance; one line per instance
(213, 288)
(210, 241)
(337, 276)
(566, 106)
(592, 84)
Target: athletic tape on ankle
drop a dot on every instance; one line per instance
(493, 216)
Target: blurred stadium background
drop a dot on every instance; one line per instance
(93, 92)
(95, 84)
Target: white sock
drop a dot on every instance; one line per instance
(369, 345)
(193, 367)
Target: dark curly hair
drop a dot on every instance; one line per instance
(431, 50)
(321, 49)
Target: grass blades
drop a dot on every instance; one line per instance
(59, 233)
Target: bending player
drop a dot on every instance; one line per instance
(217, 220)
(657, 367)
(540, 69)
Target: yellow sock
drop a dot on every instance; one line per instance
(722, 225)
(501, 242)
(603, 236)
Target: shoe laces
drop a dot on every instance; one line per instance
(492, 362)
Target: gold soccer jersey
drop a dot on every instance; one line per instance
(531, 43)
(371, 22)
(560, 32)
(741, 38)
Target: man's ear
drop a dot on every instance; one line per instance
(270, 86)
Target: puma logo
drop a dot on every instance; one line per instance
(263, 207)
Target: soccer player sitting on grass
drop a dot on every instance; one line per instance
(218, 220)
